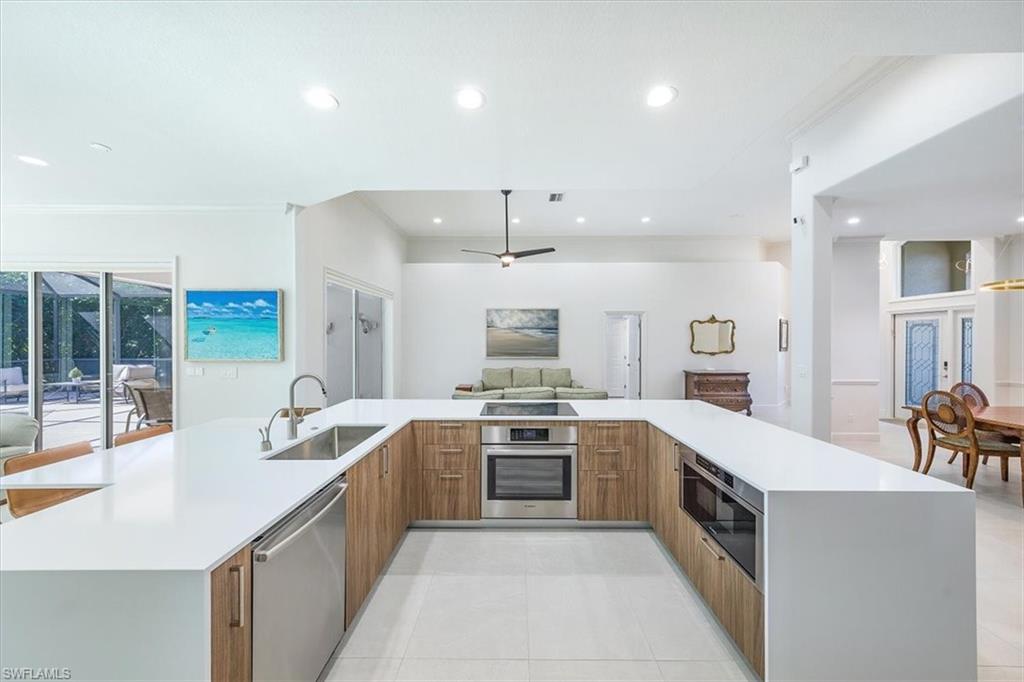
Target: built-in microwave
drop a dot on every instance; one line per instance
(728, 510)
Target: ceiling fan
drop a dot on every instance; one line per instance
(508, 257)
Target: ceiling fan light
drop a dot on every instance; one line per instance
(508, 258)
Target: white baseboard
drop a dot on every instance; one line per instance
(856, 435)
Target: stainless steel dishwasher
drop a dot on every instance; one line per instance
(298, 588)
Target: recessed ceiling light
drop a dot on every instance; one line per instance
(581, 220)
(469, 98)
(853, 221)
(515, 221)
(645, 219)
(1020, 219)
(31, 160)
(660, 95)
(320, 98)
(99, 146)
(438, 221)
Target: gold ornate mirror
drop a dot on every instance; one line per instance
(712, 336)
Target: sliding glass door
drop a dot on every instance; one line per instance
(88, 354)
(354, 343)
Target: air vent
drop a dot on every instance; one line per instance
(555, 196)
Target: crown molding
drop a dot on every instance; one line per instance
(881, 68)
(372, 206)
(135, 209)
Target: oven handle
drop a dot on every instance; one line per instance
(530, 451)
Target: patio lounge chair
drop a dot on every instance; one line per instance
(12, 383)
(153, 406)
(133, 376)
(17, 437)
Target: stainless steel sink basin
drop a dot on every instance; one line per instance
(330, 444)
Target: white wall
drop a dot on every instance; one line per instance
(346, 236)
(638, 249)
(1009, 323)
(444, 306)
(855, 332)
(215, 249)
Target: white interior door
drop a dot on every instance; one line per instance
(922, 357)
(633, 339)
(622, 355)
(616, 353)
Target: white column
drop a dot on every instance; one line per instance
(810, 337)
(983, 269)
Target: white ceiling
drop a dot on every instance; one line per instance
(967, 182)
(201, 102)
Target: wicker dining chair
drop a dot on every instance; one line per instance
(951, 427)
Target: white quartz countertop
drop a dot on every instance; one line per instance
(189, 499)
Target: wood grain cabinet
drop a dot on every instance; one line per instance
(364, 530)
(612, 477)
(730, 390)
(729, 592)
(608, 496)
(231, 619)
(450, 470)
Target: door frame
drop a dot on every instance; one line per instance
(949, 351)
(641, 316)
(332, 276)
(104, 268)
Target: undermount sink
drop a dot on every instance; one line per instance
(331, 444)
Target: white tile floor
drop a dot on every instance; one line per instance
(535, 605)
(609, 605)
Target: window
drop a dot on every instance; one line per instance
(967, 349)
(934, 267)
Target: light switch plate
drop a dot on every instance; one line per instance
(229, 373)
(194, 371)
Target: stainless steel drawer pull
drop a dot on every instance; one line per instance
(607, 475)
(237, 618)
(607, 452)
(450, 451)
(704, 541)
(450, 476)
(608, 425)
(450, 425)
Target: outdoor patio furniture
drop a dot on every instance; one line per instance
(133, 376)
(72, 389)
(12, 383)
(141, 434)
(17, 437)
(153, 406)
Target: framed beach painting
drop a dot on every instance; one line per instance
(233, 325)
(522, 333)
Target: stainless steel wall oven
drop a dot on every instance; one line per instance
(528, 472)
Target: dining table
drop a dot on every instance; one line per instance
(1007, 419)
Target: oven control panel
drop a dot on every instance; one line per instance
(529, 435)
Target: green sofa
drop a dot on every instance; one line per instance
(529, 383)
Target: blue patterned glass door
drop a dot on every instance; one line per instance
(966, 349)
(922, 359)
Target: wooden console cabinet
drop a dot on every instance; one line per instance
(725, 388)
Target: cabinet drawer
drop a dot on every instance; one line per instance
(608, 457)
(451, 456)
(610, 433)
(608, 496)
(730, 403)
(447, 433)
(451, 494)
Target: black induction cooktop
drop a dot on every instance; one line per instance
(528, 410)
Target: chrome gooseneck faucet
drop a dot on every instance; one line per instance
(293, 420)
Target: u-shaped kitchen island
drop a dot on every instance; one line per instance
(820, 563)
